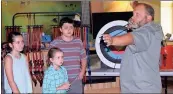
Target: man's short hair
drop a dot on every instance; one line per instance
(149, 9)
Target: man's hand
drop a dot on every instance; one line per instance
(107, 39)
(63, 86)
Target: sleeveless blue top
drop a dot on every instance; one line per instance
(21, 75)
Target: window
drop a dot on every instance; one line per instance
(167, 16)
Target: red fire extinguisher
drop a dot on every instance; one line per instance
(166, 58)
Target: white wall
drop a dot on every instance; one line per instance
(167, 16)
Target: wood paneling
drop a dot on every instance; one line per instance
(109, 87)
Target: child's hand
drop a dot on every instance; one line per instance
(67, 85)
(63, 86)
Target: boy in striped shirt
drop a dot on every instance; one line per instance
(74, 54)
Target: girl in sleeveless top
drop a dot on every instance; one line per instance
(17, 78)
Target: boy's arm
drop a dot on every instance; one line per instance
(52, 44)
(83, 68)
(83, 62)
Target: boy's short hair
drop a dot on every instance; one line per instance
(66, 20)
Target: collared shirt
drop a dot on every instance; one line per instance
(53, 79)
(140, 64)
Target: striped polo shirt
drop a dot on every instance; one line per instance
(74, 52)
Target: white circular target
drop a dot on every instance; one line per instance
(112, 55)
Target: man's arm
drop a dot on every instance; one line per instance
(123, 40)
